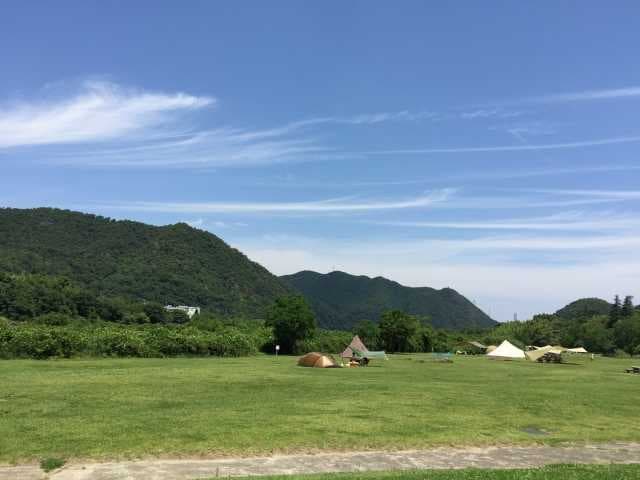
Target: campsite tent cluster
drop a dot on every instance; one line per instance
(507, 350)
(355, 353)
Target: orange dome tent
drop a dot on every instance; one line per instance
(315, 359)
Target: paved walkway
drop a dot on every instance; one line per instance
(440, 458)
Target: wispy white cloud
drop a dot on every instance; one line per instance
(225, 147)
(476, 202)
(570, 221)
(607, 194)
(585, 95)
(222, 224)
(489, 113)
(330, 205)
(100, 111)
(507, 148)
(368, 118)
(106, 124)
(522, 131)
(294, 182)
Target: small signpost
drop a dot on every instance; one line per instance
(277, 349)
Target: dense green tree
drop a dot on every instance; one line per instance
(627, 333)
(426, 338)
(514, 331)
(397, 331)
(627, 307)
(615, 312)
(139, 318)
(178, 316)
(369, 333)
(292, 320)
(442, 342)
(596, 337)
(155, 312)
(54, 319)
(207, 321)
(23, 297)
(541, 330)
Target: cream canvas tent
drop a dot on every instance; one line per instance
(577, 350)
(315, 359)
(534, 355)
(506, 350)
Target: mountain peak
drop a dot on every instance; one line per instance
(340, 300)
(168, 264)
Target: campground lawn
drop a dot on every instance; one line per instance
(114, 408)
(554, 472)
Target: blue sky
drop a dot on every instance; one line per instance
(492, 147)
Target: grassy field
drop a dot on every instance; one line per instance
(555, 472)
(105, 408)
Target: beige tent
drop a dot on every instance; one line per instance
(491, 348)
(577, 350)
(534, 355)
(506, 350)
(315, 359)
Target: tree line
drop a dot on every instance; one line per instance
(617, 332)
(48, 316)
(55, 300)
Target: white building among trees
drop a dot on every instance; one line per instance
(190, 311)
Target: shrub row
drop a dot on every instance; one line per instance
(44, 341)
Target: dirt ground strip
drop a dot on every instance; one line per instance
(437, 458)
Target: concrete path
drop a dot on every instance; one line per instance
(437, 458)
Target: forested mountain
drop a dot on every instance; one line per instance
(169, 264)
(341, 300)
(181, 265)
(585, 308)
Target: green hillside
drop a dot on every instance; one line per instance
(584, 308)
(341, 300)
(169, 264)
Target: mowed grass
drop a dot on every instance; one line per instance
(553, 472)
(113, 408)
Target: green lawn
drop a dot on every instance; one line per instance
(554, 472)
(132, 407)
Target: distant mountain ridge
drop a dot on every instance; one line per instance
(181, 265)
(340, 300)
(169, 264)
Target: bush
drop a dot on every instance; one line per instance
(54, 319)
(119, 342)
(36, 341)
(44, 341)
(619, 353)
